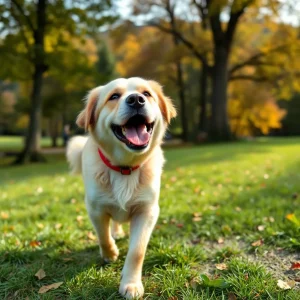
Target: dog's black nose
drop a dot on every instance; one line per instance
(135, 101)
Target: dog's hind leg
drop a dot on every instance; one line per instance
(117, 231)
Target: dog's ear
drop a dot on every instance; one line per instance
(165, 103)
(87, 116)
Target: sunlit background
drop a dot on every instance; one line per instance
(231, 67)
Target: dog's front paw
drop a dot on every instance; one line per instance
(109, 253)
(131, 290)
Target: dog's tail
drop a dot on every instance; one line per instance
(74, 153)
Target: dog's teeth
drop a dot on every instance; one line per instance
(123, 130)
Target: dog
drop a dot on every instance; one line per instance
(121, 162)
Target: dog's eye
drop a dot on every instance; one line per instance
(114, 96)
(147, 94)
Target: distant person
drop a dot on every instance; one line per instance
(66, 134)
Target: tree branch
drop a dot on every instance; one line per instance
(249, 77)
(254, 60)
(21, 11)
(234, 18)
(186, 42)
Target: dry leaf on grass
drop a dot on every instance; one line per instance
(220, 240)
(295, 265)
(35, 243)
(286, 285)
(231, 296)
(261, 228)
(91, 236)
(40, 274)
(4, 215)
(257, 243)
(79, 219)
(221, 266)
(197, 219)
(44, 289)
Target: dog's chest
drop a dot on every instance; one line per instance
(124, 187)
(119, 189)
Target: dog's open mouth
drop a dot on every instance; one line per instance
(136, 133)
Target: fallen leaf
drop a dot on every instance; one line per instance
(261, 228)
(179, 225)
(238, 209)
(44, 289)
(173, 178)
(34, 244)
(195, 241)
(39, 190)
(4, 215)
(58, 225)
(295, 265)
(246, 276)
(221, 266)
(197, 190)
(73, 201)
(220, 240)
(231, 296)
(40, 225)
(283, 285)
(79, 219)
(197, 219)
(295, 196)
(40, 274)
(291, 283)
(91, 236)
(197, 214)
(257, 243)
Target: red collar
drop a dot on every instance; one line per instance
(122, 170)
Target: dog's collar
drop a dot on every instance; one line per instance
(122, 170)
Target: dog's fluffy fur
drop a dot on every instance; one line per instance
(109, 194)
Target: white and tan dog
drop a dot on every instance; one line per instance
(121, 163)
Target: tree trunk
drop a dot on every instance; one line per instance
(31, 151)
(53, 130)
(219, 127)
(203, 99)
(181, 93)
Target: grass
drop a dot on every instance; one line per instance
(216, 201)
(14, 143)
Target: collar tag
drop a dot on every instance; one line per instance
(125, 170)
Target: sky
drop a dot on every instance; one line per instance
(289, 16)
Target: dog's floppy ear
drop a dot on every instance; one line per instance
(87, 116)
(165, 103)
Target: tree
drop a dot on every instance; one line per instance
(28, 25)
(217, 64)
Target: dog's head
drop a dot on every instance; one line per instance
(127, 117)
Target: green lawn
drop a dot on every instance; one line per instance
(225, 203)
(15, 143)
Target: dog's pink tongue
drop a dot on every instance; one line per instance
(137, 135)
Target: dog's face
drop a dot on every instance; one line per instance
(127, 116)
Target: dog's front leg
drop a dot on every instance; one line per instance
(108, 248)
(141, 226)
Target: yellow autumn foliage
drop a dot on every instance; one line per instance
(252, 109)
